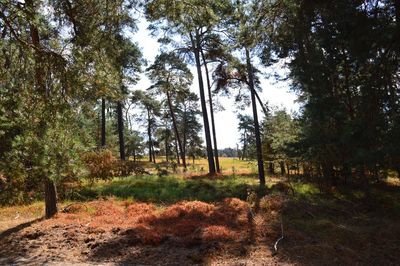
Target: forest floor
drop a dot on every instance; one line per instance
(179, 221)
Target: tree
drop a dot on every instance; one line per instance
(191, 20)
(190, 127)
(343, 65)
(57, 80)
(246, 127)
(151, 111)
(171, 77)
(281, 133)
(134, 144)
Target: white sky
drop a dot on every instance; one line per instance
(276, 93)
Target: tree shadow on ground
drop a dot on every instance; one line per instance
(341, 229)
(318, 230)
(18, 228)
(184, 234)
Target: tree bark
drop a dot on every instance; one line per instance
(244, 145)
(184, 144)
(174, 124)
(153, 152)
(282, 165)
(166, 148)
(260, 161)
(103, 122)
(50, 194)
(196, 44)
(149, 135)
(120, 131)
(271, 168)
(211, 113)
(177, 152)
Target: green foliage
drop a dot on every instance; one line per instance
(169, 189)
(343, 65)
(247, 136)
(281, 135)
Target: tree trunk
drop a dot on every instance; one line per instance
(184, 144)
(166, 148)
(153, 152)
(174, 124)
(271, 168)
(50, 193)
(282, 165)
(210, 157)
(149, 135)
(103, 122)
(50, 198)
(244, 145)
(260, 161)
(177, 152)
(121, 131)
(211, 113)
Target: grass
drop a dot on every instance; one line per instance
(318, 224)
(170, 189)
(200, 166)
(15, 215)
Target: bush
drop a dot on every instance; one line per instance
(101, 164)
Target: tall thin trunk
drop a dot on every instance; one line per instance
(196, 44)
(153, 152)
(50, 194)
(149, 135)
(184, 144)
(166, 148)
(271, 168)
(244, 145)
(261, 104)
(177, 152)
(282, 165)
(175, 126)
(127, 119)
(103, 122)
(211, 113)
(260, 161)
(120, 131)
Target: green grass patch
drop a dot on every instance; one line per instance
(169, 189)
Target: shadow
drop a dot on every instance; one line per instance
(183, 234)
(339, 230)
(19, 227)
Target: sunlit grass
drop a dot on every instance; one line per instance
(170, 189)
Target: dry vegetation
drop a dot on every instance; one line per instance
(199, 221)
(336, 228)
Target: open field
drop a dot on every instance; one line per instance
(177, 220)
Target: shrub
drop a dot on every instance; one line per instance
(126, 168)
(101, 164)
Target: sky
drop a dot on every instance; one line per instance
(275, 92)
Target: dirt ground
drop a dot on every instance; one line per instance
(111, 232)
